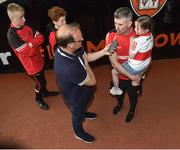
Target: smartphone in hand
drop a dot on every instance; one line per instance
(113, 46)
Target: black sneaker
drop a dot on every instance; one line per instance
(50, 93)
(87, 138)
(90, 115)
(117, 109)
(129, 116)
(42, 105)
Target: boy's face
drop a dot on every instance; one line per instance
(18, 20)
(61, 21)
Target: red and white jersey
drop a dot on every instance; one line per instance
(142, 49)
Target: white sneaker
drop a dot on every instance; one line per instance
(114, 91)
(144, 76)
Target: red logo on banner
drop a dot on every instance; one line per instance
(149, 7)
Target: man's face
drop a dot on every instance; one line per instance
(122, 25)
(78, 39)
(18, 20)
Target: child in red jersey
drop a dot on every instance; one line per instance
(26, 43)
(58, 18)
(139, 52)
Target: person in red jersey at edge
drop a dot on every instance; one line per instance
(123, 32)
(26, 43)
(58, 18)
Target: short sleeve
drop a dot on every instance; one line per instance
(135, 46)
(109, 38)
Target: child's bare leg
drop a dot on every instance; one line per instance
(115, 78)
(115, 90)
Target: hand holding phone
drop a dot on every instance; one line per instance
(113, 46)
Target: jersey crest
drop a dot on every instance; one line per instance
(148, 7)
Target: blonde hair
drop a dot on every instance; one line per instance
(12, 8)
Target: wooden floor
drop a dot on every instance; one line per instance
(156, 123)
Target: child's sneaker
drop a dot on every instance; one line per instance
(144, 76)
(114, 91)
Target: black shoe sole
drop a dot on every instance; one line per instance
(128, 121)
(90, 118)
(83, 139)
(50, 94)
(45, 96)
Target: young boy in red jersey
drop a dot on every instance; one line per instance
(58, 18)
(26, 43)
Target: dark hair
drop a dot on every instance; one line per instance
(65, 38)
(145, 22)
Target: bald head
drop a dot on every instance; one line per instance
(64, 34)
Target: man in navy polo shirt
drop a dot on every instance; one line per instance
(75, 77)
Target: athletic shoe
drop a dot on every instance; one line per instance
(42, 104)
(114, 91)
(117, 109)
(50, 93)
(129, 116)
(90, 115)
(144, 76)
(87, 138)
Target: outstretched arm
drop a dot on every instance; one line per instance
(96, 55)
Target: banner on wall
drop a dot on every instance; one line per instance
(149, 7)
(95, 24)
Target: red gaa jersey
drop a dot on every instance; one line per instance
(122, 49)
(30, 58)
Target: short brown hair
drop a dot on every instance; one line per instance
(56, 12)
